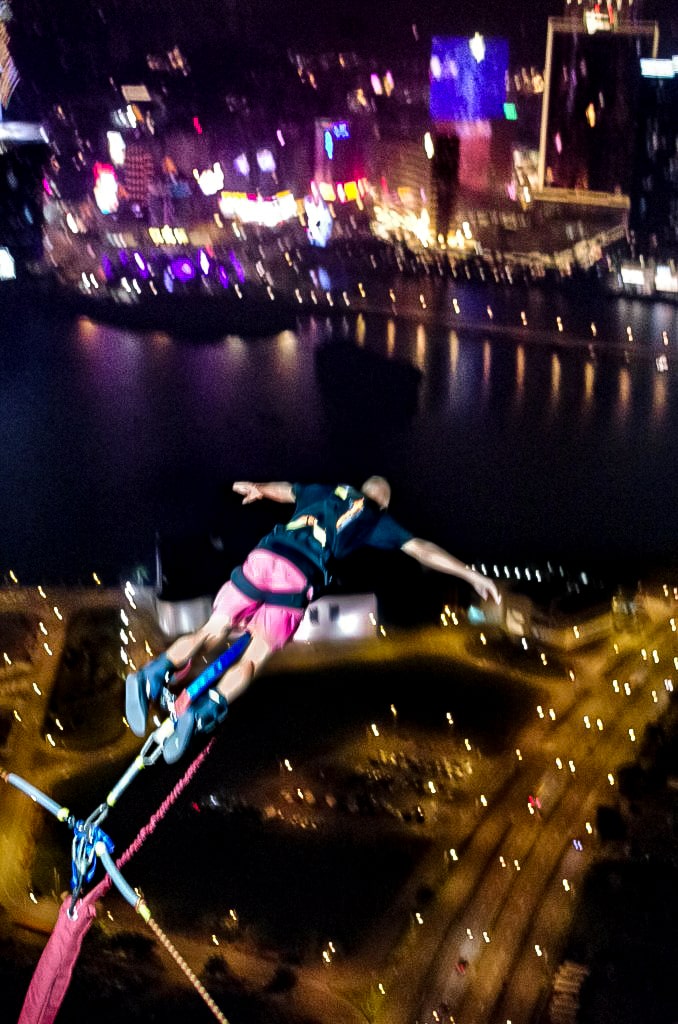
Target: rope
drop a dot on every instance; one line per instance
(164, 807)
(195, 981)
(104, 885)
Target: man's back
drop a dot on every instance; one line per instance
(331, 523)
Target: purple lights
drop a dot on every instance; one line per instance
(142, 266)
(183, 269)
(238, 267)
(107, 267)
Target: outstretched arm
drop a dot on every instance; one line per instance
(434, 557)
(278, 490)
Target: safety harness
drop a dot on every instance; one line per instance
(286, 599)
(312, 540)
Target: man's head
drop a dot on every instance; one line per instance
(378, 489)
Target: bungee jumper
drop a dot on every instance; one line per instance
(257, 611)
(268, 594)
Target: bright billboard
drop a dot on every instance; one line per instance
(467, 78)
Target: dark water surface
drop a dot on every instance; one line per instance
(502, 449)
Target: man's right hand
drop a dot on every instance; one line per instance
(249, 490)
(274, 490)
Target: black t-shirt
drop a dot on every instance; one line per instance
(348, 520)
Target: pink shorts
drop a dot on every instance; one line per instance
(276, 624)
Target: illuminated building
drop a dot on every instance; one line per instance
(339, 161)
(590, 108)
(654, 196)
(468, 79)
(403, 171)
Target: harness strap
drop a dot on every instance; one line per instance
(301, 522)
(281, 598)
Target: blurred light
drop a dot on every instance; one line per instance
(183, 269)
(658, 67)
(242, 164)
(327, 191)
(7, 265)
(318, 220)
(266, 161)
(211, 180)
(253, 209)
(116, 148)
(105, 188)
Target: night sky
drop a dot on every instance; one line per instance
(385, 26)
(382, 28)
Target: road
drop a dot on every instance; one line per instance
(509, 910)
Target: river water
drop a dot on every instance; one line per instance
(504, 447)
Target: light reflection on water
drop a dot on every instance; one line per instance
(513, 448)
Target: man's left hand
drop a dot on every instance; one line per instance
(486, 587)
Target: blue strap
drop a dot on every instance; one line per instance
(215, 671)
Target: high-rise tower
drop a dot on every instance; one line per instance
(590, 105)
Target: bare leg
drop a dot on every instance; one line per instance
(239, 677)
(211, 707)
(212, 634)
